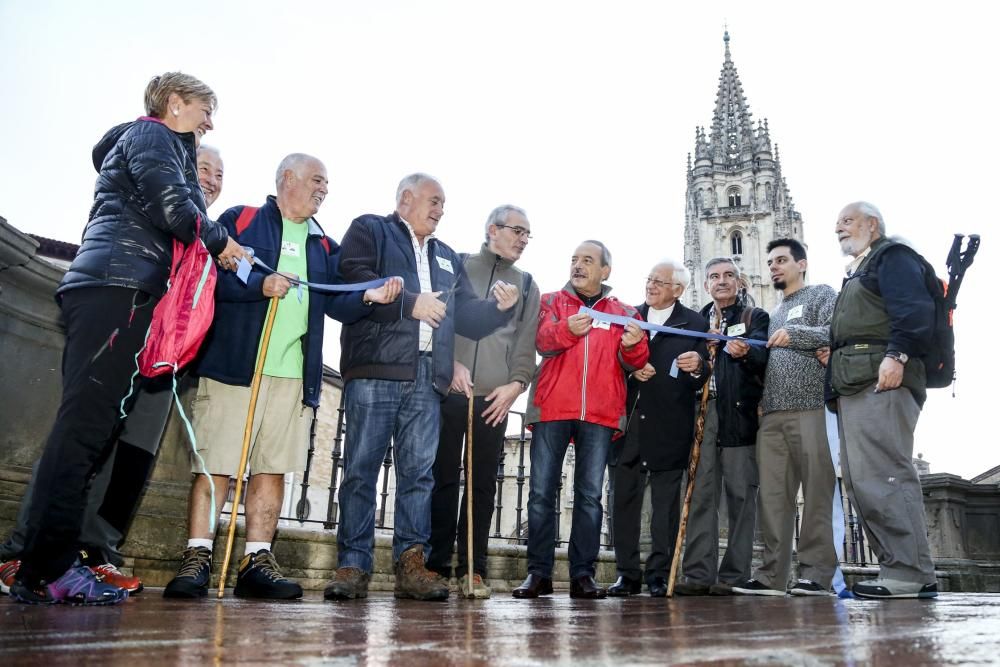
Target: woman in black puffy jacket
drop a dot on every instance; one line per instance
(147, 194)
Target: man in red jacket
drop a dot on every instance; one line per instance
(579, 396)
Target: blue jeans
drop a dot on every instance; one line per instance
(379, 411)
(549, 441)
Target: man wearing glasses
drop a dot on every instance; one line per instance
(492, 372)
(661, 412)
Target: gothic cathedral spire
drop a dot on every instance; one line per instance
(737, 198)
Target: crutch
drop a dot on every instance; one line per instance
(247, 432)
(469, 560)
(699, 434)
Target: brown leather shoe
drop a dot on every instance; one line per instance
(533, 586)
(349, 583)
(587, 589)
(416, 582)
(688, 588)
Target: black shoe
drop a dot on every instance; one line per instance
(193, 576)
(685, 588)
(755, 587)
(259, 577)
(533, 586)
(625, 587)
(805, 587)
(585, 588)
(657, 587)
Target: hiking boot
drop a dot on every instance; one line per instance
(259, 577)
(193, 576)
(349, 583)
(414, 581)
(808, 587)
(76, 586)
(884, 589)
(480, 591)
(755, 587)
(8, 571)
(110, 574)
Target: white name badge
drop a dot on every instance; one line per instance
(795, 313)
(290, 248)
(445, 264)
(598, 324)
(736, 330)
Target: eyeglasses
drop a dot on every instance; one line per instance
(520, 231)
(658, 283)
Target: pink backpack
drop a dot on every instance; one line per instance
(184, 314)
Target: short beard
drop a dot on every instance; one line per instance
(780, 285)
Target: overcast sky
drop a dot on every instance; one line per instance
(580, 112)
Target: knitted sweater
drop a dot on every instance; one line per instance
(794, 377)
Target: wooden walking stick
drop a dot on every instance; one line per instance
(699, 433)
(469, 560)
(247, 432)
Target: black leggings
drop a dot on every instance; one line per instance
(105, 329)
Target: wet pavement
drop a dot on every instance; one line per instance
(148, 630)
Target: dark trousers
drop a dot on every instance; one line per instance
(448, 516)
(630, 481)
(105, 328)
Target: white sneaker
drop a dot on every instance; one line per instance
(884, 588)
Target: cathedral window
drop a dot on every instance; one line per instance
(736, 243)
(735, 195)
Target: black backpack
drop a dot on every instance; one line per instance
(939, 361)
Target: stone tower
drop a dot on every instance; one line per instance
(737, 198)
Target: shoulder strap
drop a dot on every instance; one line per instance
(246, 216)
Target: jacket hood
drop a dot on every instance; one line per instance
(108, 142)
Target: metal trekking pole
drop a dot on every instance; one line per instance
(469, 560)
(699, 434)
(247, 432)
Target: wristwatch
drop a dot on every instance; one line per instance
(901, 357)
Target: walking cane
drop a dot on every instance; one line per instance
(469, 560)
(699, 433)
(247, 432)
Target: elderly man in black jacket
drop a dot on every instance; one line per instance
(728, 454)
(661, 411)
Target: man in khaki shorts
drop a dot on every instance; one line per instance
(284, 236)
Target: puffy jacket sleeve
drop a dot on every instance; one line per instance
(475, 318)
(346, 307)
(358, 263)
(228, 287)
(553, 335)
(214, 236)
(158, 172)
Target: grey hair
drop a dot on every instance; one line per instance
(871, 211)
(722, 260)
(682, 275)
(411, 183)
(675, 267)
(499, 215)
(605, 253)
(293, 163)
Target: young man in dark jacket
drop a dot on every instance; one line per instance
(657, 444)
(396, 372)
(285, 237)
(728, 456)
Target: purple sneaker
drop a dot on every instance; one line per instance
(77, 586)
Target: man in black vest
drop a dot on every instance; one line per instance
(882, 326)
(661, 412)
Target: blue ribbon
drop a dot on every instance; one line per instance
(323, 287)
(659, 328)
